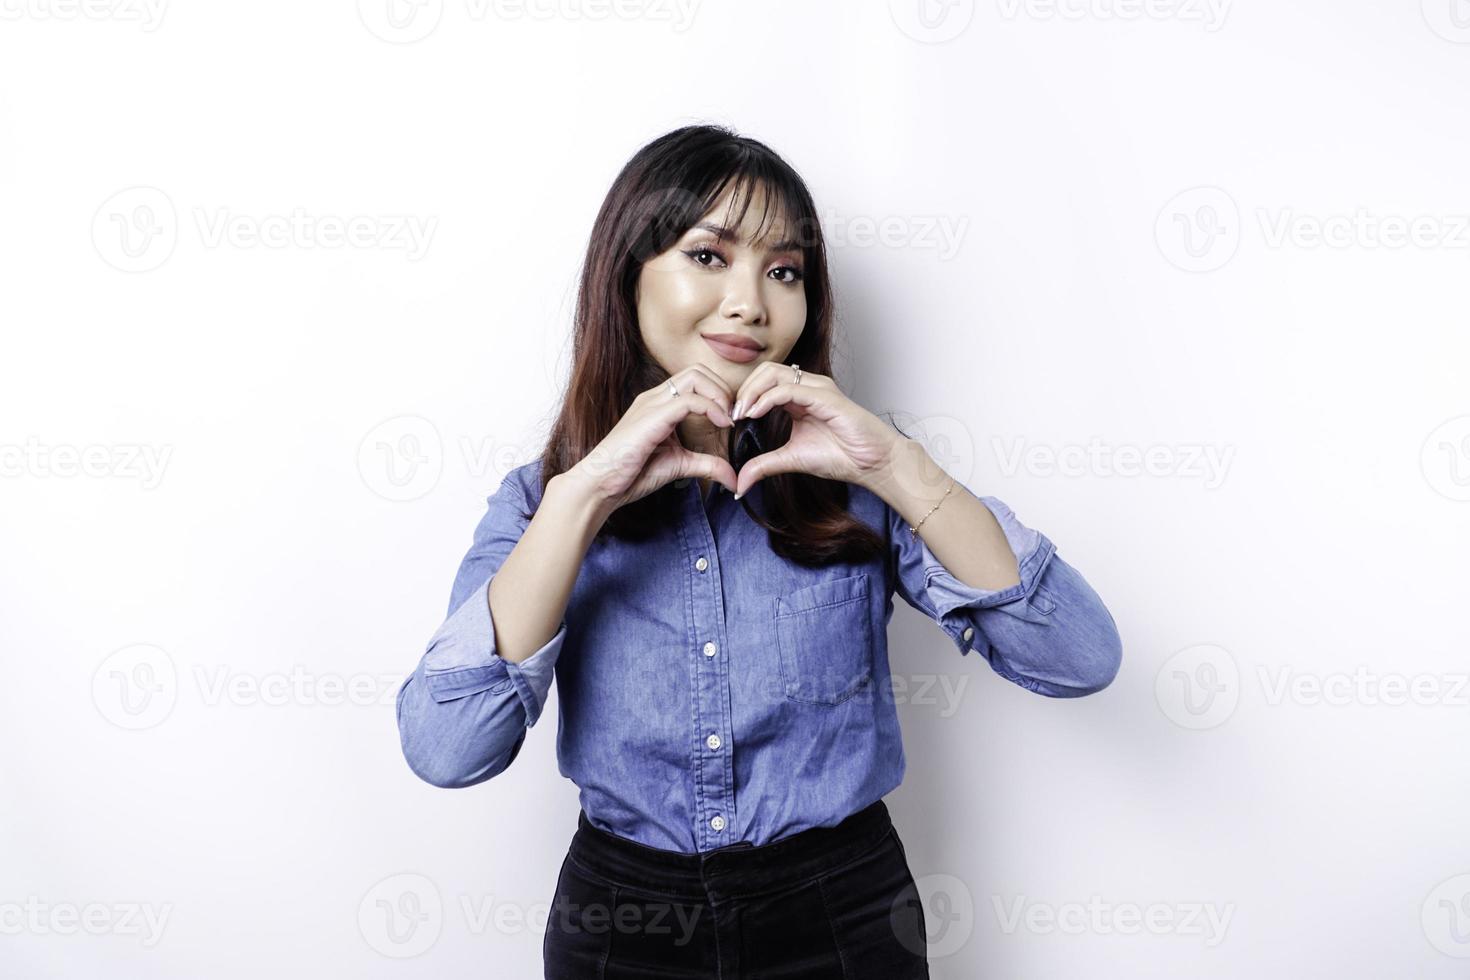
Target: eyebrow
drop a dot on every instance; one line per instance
(725, 234)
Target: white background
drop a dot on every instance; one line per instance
(200, 654)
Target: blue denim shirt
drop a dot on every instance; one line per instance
(711, 691)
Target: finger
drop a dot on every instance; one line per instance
(695, 379)
(693, 403)
(684, 381)
(712, 385)
(816, 401)
(678, 463)
(719, 383)
(762, 378)
(760, 381)
(758, 468)
(710, 467)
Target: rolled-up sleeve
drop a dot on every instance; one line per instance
(1050, 633)
(464, 711)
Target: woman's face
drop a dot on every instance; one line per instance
(710, 293)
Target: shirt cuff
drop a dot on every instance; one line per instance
(461, 659)
(952, 598)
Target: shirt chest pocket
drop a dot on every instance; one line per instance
(825, 638)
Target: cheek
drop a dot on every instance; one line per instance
(675, 296)
(669, 304)
(789, 318)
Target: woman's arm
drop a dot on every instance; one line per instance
(993, 584)
(464, 711)
(528, 595)
(962, 533)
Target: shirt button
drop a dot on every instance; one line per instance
(709, 649)
(969, 632)
(702, 564)
(717, 822)
(713, 741)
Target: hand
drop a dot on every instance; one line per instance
(643, 452)
(831, 435)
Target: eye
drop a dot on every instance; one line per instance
(788, 275)
(703, 250)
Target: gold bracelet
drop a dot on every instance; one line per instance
(914, 529)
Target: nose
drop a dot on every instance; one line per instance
(743, 300)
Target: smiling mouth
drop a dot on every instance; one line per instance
(732, 352)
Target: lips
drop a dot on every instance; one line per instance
(735, 340)
(733, 347)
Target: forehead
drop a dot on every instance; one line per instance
(763, 216)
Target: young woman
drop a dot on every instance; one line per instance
(721, 658)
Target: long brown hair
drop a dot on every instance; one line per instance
(659, 195)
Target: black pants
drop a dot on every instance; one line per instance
(828, 902)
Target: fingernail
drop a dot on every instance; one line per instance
(739, 495)
(738, 407)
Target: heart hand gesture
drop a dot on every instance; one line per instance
(831, 435)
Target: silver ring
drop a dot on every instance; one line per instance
(797, 369)
(673, 388)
